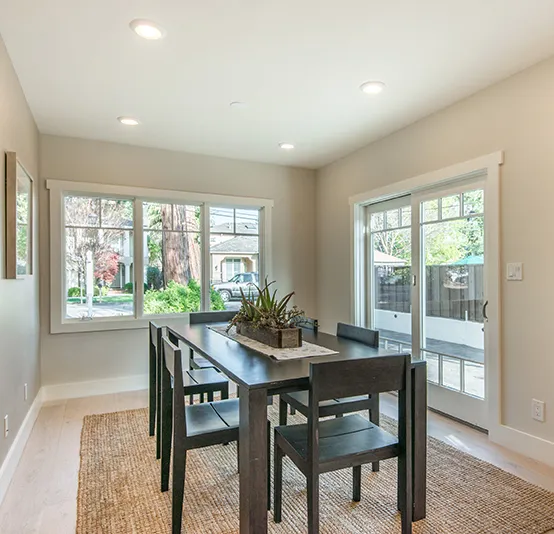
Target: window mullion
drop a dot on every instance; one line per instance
(138, 258)
(205, 251)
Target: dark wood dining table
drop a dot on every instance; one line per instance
(260, 376)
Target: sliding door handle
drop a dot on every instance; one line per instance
(485, 305)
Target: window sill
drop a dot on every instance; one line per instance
(114, 323)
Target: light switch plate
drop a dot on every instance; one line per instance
(514, 271)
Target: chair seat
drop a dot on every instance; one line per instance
(203, 377)
(201, 363)
(202, 381)
(212, 417)
(349, 438)
(300, 401)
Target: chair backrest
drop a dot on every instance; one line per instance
(366, 376)
(155, 337)
(211, 317)
(173, 369)
(357, 333)
(306, 322)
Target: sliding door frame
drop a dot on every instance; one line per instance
(489, 166)
(459, 405)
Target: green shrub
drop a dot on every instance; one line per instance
(74, 292)
(217, 302)
(128, 287)
(178, 298)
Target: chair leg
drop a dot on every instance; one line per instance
(357, 483)
(202, 398)
(313, 503)
(191, 400)
(268, 465)
(374, 417)
(167, 428)
(225, 392)
(282, 412)
(277, 481)
(179, 466)
(292, 411)
(158, 434)
(210, 396)
(152, 391)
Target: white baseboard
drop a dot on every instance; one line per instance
(7, 469)
(531, 446)
(91, 388)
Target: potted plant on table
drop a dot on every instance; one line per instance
(268, 320)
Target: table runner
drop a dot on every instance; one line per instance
(307, 350)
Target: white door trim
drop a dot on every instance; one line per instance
(489, 165)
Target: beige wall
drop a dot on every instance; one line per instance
(516, 116)
(19, 318)
(93, 356)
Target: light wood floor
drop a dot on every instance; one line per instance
(43, 493)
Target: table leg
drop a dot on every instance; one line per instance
(253, 461)
(419, 429)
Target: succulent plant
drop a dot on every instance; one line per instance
(267, 311)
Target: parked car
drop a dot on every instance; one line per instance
(231, 290)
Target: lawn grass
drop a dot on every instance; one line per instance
(115, 299)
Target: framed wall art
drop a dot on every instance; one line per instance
(19, 219)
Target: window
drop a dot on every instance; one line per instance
(120, 256)
(98, 252)
(233, 266)
(234, 254)
(172, 258)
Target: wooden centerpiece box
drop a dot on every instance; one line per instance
(268, 320)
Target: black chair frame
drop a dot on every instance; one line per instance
(324, 446)
(198, 431)
(195, 382)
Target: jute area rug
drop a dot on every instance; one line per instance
(119, 490)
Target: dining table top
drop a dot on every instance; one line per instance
(251, 369)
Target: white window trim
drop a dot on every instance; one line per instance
(489, 165)
(59, 188)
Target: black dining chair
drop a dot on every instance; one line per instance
(195, 382)
(323, 446)
(299, 400)
(309, 324)
(306, 322)
(195, 361)
(192, 427)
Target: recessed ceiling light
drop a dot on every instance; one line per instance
(372, 88)
(128, 121)
(286, 146)
(147, 29)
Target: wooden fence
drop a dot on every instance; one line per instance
(453, 291)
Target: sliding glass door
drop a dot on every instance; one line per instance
(426, 272)
(390, 272)
(452, 299)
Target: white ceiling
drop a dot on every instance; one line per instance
(298, 64)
